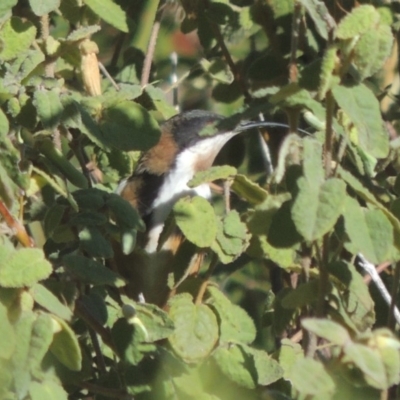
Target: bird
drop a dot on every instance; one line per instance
(161, 178)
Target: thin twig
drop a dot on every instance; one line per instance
(379, 269)
(107, 392)
(203, 287)
(108, 76)
(227, 196)
(152, 45)
(228, 58)
(395, 288)
(17, 228)
(293, 72)
(330, 105)
(82, 312)
(99, 355)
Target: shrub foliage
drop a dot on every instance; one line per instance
(280, 308)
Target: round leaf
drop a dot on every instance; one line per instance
(196, 329)
(196, 219)
(128, 126)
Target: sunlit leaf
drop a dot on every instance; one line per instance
(196, 329)
(196, 218)
(110, 12)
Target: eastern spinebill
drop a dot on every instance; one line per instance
(162, 173)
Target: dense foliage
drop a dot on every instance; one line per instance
(280, 308)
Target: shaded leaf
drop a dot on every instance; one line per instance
(128, 126)
(93, 272)
(94, 243)
(320, 15)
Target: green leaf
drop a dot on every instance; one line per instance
(22, 267)
(236, 365)
(379, 42)
(6, 6)
(232, 238)
(16, 36)
(65, 346)
(160, 102)
(83, 32)
(317, 207)
(4, 125)
(76, 177)
(312, 161)
(360, 104)
(268, 370)
(319, 13)
(94, 243)
(196, 219)
(50, 302)
(196, 329)
(129, 339)
(356, 299)
(304, 294)
(156, 321)
(366, 195)
(92, 272)
(110, 12)
(128, 126)
(360, 20)
(23, 332)
(328, 65)
(48, 107)
(41, 339)
(125, 215)
(370, 231)
(289, 353)
(260, 248)
(328, 330)
(370, 363)
(249, 190)
(7, 345)
(218, 70)
(47, 390)
(42, 7)
(235, 324)
(212, 174)
(309, 377)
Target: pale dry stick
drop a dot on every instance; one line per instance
(108, 76)
(144, 80)
(371, 270)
